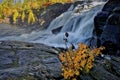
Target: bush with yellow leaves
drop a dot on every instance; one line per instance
(15, 15)
(77, 62)
(31, 17)
(23, 16)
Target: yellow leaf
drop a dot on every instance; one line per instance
(74, 79)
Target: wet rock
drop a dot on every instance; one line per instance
(52, 64)
(52, 12)
(100, 73)
(57, 30)
(110, 5)
(10, 30)
(105, 69)
(116, 10)
(107, 28)
(5, 59)
(20, 58)
(100, 21)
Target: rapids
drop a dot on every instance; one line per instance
(78, 22)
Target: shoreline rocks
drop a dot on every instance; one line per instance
(20, 58)
(107, 27)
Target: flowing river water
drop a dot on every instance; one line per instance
(78, 22)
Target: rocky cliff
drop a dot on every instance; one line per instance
(107, 27)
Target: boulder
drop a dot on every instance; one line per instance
(107, 27)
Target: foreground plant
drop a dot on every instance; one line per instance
(78, 62)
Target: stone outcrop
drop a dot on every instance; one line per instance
(20, 60)
(107, 27)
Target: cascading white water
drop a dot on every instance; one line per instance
(78, 23)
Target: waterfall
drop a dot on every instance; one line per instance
(78, 22)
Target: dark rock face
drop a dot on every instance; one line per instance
(37, 60)
(52, 12)
(20, 60)
(107, 27)
(110, 5)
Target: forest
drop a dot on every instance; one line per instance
(24, 9)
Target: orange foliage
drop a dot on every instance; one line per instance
(76, 62)
(69, 1)
(47, 4)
